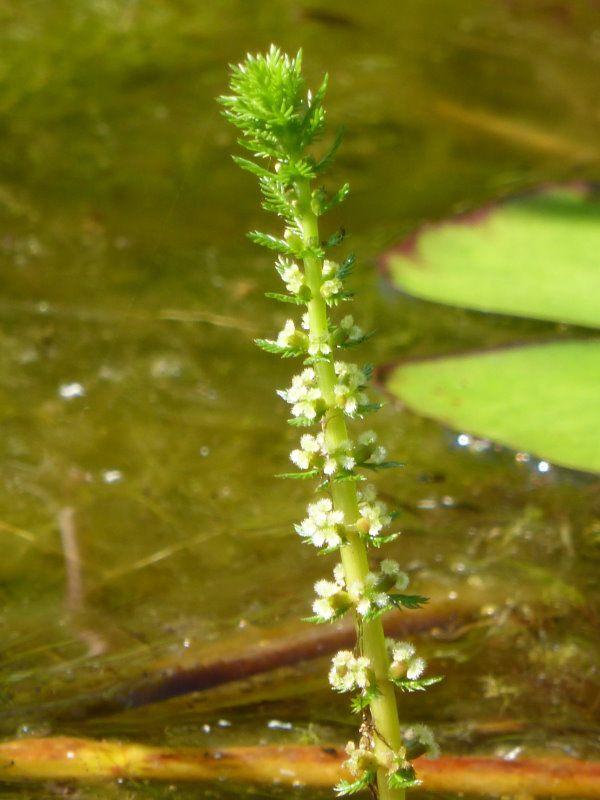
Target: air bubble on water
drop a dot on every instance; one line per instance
(463, 440)
(427, 503)
(28, 356)
(543, 466)
(108, 373)
(112, 476)
(204, 451)
(279, 725)
(513, 753)
(70, 390)
(166, 366)
(224, 723)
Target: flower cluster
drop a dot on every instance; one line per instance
(349, 672)
(406, 668)
(420, 740)
(315, 454)
(378, 592)
(370, 450)
(324, 525)
(361, 759)
(289, 336)
(348, 333)
(349, 390)
(404, 662)
(304, 395)
(374, 516)
(373, 594)
(291, 274)
(331, 285)
(363, 764)
(332, 597)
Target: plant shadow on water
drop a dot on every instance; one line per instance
(142, 529)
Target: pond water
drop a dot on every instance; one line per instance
(140, 430)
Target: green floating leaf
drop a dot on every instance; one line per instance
(542, 399)
(536, 256)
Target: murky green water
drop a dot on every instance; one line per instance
(139, 421)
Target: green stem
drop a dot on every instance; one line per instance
(384, 709)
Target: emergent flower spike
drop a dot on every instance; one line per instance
(280, 120)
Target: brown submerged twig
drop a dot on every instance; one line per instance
(65, 758)
(249, 653)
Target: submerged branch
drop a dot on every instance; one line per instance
(246, 654)
(65, 758)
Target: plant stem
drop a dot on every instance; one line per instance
(384, 710)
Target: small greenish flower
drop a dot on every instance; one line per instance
(303, 395)
(348, 391)
(310, 447)
(390, 576)
(331, 287)
(365, 596)
(291, 274)
(289, 336)
(342, 458)
(349, 672)
(373, 519)
(323, 527)
(405, 664)
(368, 449)
(352, 332)
(319, 345)
(360, 759)
(420, 740)
(331, 600)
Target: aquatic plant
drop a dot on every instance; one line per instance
(280, 121)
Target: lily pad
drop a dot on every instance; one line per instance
(542, 399)
(535, 256)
